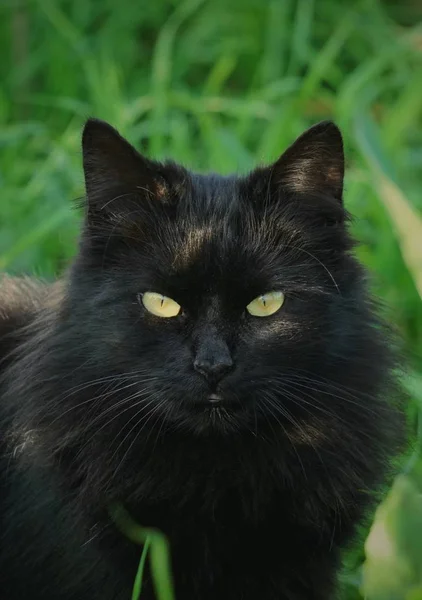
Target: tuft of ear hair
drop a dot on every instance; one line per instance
(314, 163)
(115, 173)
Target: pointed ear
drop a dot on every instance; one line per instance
(116, 175)
(314, 163)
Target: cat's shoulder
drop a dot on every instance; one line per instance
(21, 298)
(20, 295)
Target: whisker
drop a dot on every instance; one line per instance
(342, 393)
(302, 374)
(103, 394)
(285, 432)
(116, 405)
(144, 405)
(320, 262)
(144, 421)
(296, 424)
(138, 394)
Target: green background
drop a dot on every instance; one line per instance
(225, 85)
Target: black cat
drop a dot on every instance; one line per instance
(213, 362)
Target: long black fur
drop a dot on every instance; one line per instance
(100, 401)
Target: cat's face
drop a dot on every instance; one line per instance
(221, 302)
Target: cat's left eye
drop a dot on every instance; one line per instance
(160, 306)
(266, 305)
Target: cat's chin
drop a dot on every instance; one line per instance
(212, 418)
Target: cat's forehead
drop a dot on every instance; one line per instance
(210, 194)
(215, 229)
(222, 251)
(221, 236)
(206, 218)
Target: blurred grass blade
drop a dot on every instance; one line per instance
(300, 49)
(272, 63)
(161, 71)
(327, 56)
(219, 74)
(405, 112)
(62, 24)
(55, 221)
(137, 586)
(406, 221)
(153, 541)
(161, 568)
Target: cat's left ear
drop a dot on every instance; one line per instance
(314, 163)
(116, 175)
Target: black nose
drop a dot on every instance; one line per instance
(213, 370)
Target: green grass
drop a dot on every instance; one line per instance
(225, 85)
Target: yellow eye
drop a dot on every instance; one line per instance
(160, 305)
(266, 305)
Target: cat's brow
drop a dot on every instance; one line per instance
(191, 245)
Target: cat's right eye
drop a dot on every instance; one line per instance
(159, 305)
(266, 305)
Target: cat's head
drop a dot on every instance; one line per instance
(217, 304)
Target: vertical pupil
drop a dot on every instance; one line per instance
(264, 302)
(162, 301)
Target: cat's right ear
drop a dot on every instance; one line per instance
(314, 163)
(117, 177)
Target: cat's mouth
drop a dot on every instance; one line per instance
(207, 411)
(217, 414)
(215, 399)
